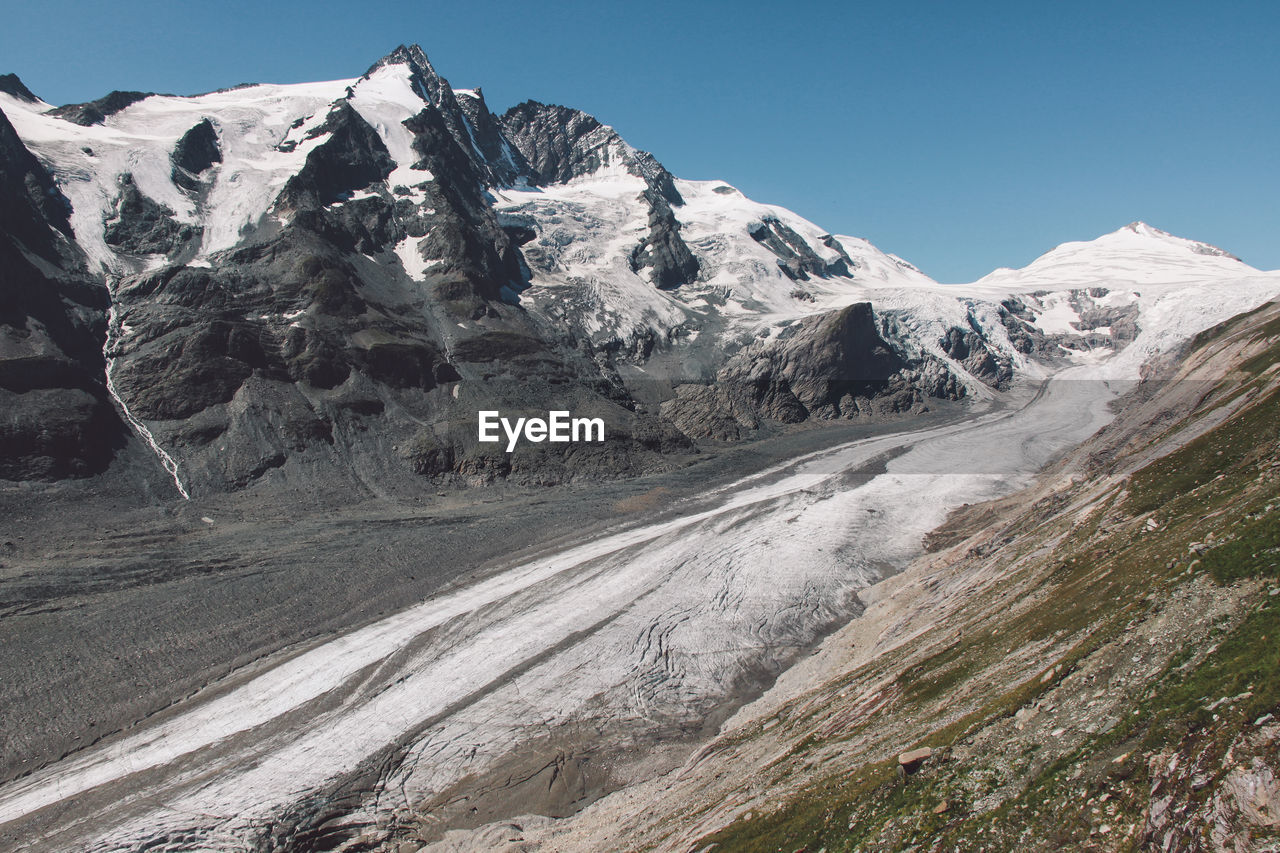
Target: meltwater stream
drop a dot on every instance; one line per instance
(652, 626)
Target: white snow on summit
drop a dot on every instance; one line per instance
(250, 122)
(1136, 253)
(588, 228)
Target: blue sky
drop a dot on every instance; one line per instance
(960, 135)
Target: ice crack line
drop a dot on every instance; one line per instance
(170, 464)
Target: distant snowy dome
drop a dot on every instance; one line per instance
(1136, 253)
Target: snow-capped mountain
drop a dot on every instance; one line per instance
(1136, 253)
(329, 279)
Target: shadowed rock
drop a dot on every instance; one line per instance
(795, 258)
(95, 112)
(142, 226)
(11, 85)
(56, 419)
(195, 152)
(561, 144)
(663, 251)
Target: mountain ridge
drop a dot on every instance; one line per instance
(244, 338)
(290, 267)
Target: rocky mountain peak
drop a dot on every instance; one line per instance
(427, 82)
(562, 143)
(474, 129)
(11, 85)
(412, 55)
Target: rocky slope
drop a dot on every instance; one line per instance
(1088, 664)
(57, 419)
(321, 284)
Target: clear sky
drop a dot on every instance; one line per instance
(962, 136)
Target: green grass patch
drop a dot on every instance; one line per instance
(1246, 661)
(1255, 552)
(1240, 440)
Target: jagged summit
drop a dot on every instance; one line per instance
(11, 85)
(412, 55)
(562, 143)
(432, 87)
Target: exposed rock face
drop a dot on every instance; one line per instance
(141, 226)
(834, 365)
(56, 419)
(663, 252)
(1120, 321)
(821, 364)
(32, 203)
(967, 347)
(196, 152)
(561, 144)
(795, 257)
(95, 112)
(504, 160)
(352, 158)
(1017, 321)
(1239, 811)
(475, 255)
(472, 127)
(11, 85)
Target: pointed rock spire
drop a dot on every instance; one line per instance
(429, 84)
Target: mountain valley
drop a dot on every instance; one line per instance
(262, 587)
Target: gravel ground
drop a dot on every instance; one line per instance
(116, 602)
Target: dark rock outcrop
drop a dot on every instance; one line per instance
(29, 199)
(503, 160)
(795, 257)
(561, 144)
(95, 112)
(195, 152)
(1120, 321)
(968, 347)
(143, 226)
(352, 158)
(663, 251)
(834, 365)
(56, 418)
(11, 85)
(817, 363)
(463, 232)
